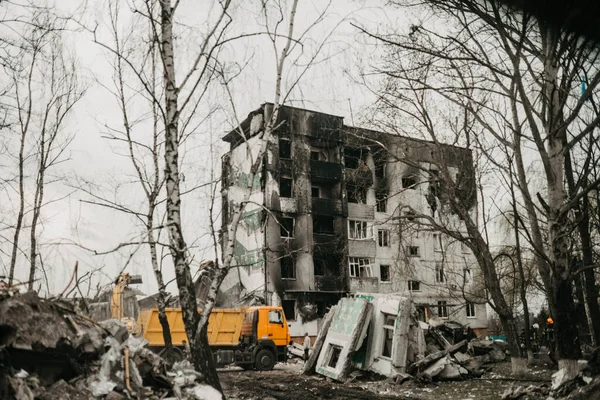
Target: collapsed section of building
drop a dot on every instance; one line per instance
(333, 210)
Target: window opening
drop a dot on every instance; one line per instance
(383, 238)
(334, 356)
(442, 309)
(470, 310)
(414, 286)
(289, 309)
(360, 267)
(285, 187)
(315, 192)
(384, 273)
(285, 149)
(388, 335)
(413, 251)
(440, 276)
(314, 155)
(323, 225)
(288, 271)
(381, 201)
(409, 182)
(358, 230)
(286, 227)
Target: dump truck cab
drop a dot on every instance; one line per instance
(265, 331)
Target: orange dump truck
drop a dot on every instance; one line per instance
(250, 337)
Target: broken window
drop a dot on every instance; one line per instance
(285, 187)
(315, 192)
(285, 148)
(380, 168)
(286, 227)
(468, 277)
(333, 356)
(358, 230)
(414, 286)
(314, 155)
(288, 271)
(381, 201)
(360, 267)
(356, 194)
(388, 335)
(383, 238)
(437, 242)
(442, 309)
(289, 309)
(384, 273)
(436, 185)
(323, 225)
(353, 158)
(275, 317)
(440, 276)
(413, 251)
(470, 309)
(409, 182)
(319, 266)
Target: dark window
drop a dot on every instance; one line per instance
(383, 238)
(384, 273)
(470, 310)
(440, 276)
(442, 309)
(315, 192)
(414, 286)
(388, 335)
(285, 187)
(319, 266)
(285, 148)
(410, 216)
(314, 155)
(352, 157)
(409, 182)
(380, 170)
(413, 251)
(286, 227)
(334, 356)
(323, 224)
(288, 271)
(289, 309)
(381, 201)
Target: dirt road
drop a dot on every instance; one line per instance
(286, 382)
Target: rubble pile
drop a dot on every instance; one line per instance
(381, 334)
(49, 352)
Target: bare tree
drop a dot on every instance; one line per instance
(514, 77)
(45, 88)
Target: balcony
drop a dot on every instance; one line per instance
(325, 171)
(362, 211)
(369, 285)
(361, 176)
(330, 283)
(326, 206)
(362, 248)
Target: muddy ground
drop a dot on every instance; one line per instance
(286, 382)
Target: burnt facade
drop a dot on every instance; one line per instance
(327, 217)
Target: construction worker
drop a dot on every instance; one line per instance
(306, 346)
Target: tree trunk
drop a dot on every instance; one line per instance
(162, 295)
(201, 354)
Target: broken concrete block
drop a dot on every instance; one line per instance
(450, 371)
(116, 328)
(348, 326)
(437, 367)
(309, 366)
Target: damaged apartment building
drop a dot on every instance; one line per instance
(334, 210)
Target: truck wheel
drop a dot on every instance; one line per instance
(265, 360)
(171, 355)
